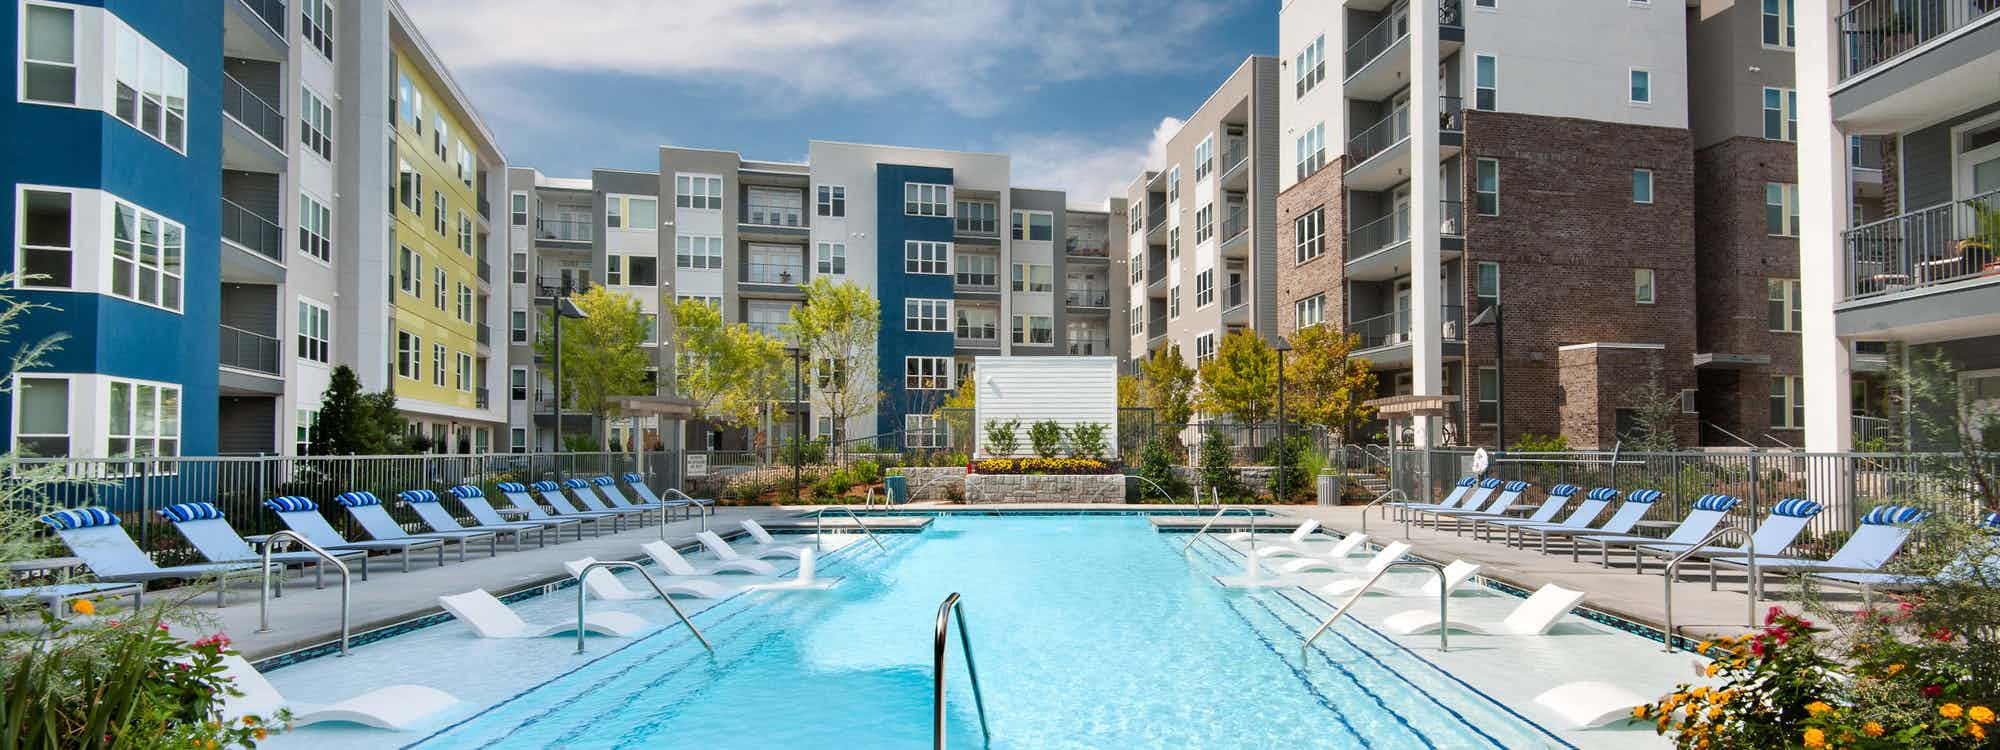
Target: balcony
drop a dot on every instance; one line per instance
(1392, 230)
(768, 328)
(977, 336)
(1386, 340)
(482, 398)
(485, 335)
(271, 12)
(1876, 32)
(252, 112)
(485, 271)
(1089, 345)
(564, 230)
(245, 350)
(1156, 217)
(976, 281)
(1378, 61)
(1235, 158)
(1930, 274)
(560, 286)
(1156, 327)
(1235, 228)
(1087, 298)
(787, 274)
(253, 232)
(1081, 247)
(773, 215)
(485, 206)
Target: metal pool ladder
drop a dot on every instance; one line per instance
(1218, 516)
(582, 595)
(820, 515)
(945, 611)
(1750, 585)
(264, 591)
(1444, 597)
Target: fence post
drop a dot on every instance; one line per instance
(145, 503)
(1756, 479)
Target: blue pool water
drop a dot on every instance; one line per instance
(1090, 632)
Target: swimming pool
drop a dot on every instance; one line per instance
(1090, 632)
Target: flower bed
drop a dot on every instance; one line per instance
(1061, 466)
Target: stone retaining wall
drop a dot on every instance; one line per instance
(1044, 488)
(934, 484)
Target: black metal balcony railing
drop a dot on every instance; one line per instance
(485, 206)
(564, 230)
(1393, 328)
(1085, 248)
(249, 351)
(555, 286)
(485, 335)
(1235, 223)
(1087, 298)
(481, 398)
(1451, 218)
(1923, 248)
(1378, 39)
(485, 271)
(1874, 32)
(1089, 345)
(272, 11)
(1234, 295)
(984, 334)
(1452, 322)
(246, 107)
(774, 273)
(1377, 234)
(244, 227)
(1379, 137)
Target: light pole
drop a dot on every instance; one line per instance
(798, 399)
(563, 308)
(1492, 315)
(1282, 347)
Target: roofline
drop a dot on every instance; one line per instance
(1002, 154)
(444, 76)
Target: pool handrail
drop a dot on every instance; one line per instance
(1392, 492)
(950, 606)
(582, 595)
(1218, 516)
(694, 507)
(1750, 579)
(264, 590)
(820, 515)
(1163, 491)
(1444, 620)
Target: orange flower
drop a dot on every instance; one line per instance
(1980, 714)
(1638, 712)
(1951, 710)
(1815, 738)
(1816, 708)
(84, 607)
(1978, 732)
(1894, 668)
(1871, 729)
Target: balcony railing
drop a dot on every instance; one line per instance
(1393, 329)
(485, 271)
(244, 227)
(249, 351)
(977, 282)
(481, 398)
(556, 286)
(246, 107)
(1375, 235)
(272, 11)
(1087, 298)
(1378, 39)
(1451, 218)
(987, 334)
(1927, 247)
(1085, 248)
(1379, 137)
(774, 273)
(1235, 223)
(1874, 32)
(1451, 114)
(1156, 216)
(1089, 345)
(564, 230)
(1234, 152)
(1235, 295)
(485, 335)
(773, 215)
(770, 329)
(485, 206)
(1156, 326)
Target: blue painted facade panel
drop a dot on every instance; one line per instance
(892, 228)
(89, 148)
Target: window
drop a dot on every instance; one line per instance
(832, 258)
(642, 270)
(518, 325)
(1642, 186)
(1173, 243)
(462, 377)
(774, 207)
(517, 212)
(1642, 286)
(304, 431)
(315, 229)
(1310, 311)
(438, 135)
(465, 234)
(47, 245)
(1786, 306)
(1781, 114)
(1034, 277)
(437, 217)
(1173, 183)
(1781, 209)
(925, 199)
(927, 373)
(1309, 235)
(977, 217)
(614, 270)
(924, 431)
(1034, 225)
(409, 355)
(1788, 406)
(146, 252)
(626, 212)
(1173, 302)
(1204, 288)
(438, 282)
(831, 200)
(698, 192)
(517, 384)
(1485, 83)
(1309, 66)
(1204, 223)
(1034, 329)
(1204, 348)
(152, 89)
(1204, 157)
(1777, 17)
(465, 305)
(41, 413)
(1642, 86)
(145, 419)
(517, 267)
(978, 270)
(1138, 318)
(1489, 395)
(48, 61)
(1311, 150)
(411, 111)
(978, 324)
(410, 188)
(927, 315)
(517, 439)
(437, 365)
(410, 272)
(697, 252)
(1486, 284)
(466, 168)
(926, 257)
(1486, 187)
(315, 124)
(315, 332)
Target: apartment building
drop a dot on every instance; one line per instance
(1539, 178)
(262, 202)
(1203, 236)
(1909, 270)
(964, 264)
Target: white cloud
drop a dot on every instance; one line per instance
(973, 56)
(1089, 171)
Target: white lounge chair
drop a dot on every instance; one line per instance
(764, 539)
(1382, 558)
(602, 584)
(491, 618)
(1298, 533)
(397, 707)
(723, 551)
(1591, 704)
(1294, 545)
(1534, 616)
(670, 560)
(805, 580)
(1455, 575)
(1339, 551)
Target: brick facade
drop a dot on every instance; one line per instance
(1737, 256)
(1324, 274)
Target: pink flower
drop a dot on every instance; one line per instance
(1757, 646)
(1772, 615)
(1944, 635)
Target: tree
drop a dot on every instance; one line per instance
(1131, 392)
(837, 325)
(1168, 385)
(353, 423)
(731, 372)
(1325, 385)
(601, 355)
(1241, 380)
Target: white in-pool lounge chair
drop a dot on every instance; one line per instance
(94, 535)
(1783, 525)
(1298, 534)
(1295, 544)
(1535, 616)
(602, 584)
(1558, 497)
(482, 511)
(396, 707)
(805, 580)
(491, 618)
(1340, 550)
(1455, 575)
(204, 527)
(670, 560)
(723, 551)
(367, 510)
(764, 539)
(517, 496)
(1380, 560)
(1591, 704)
(302, 515)
(429, 508)
(1880, 535)
(1707, 513)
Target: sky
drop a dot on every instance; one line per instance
(1082, 93)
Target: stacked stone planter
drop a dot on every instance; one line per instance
(1044, 488)
(933, 484)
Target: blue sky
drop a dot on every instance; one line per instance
(1080, 92)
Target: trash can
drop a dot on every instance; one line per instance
(898, 487)
(1331, 486)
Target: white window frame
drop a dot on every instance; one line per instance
(1204, 157)
(830, 201)
(519, 385)
(923, 431)
(1308, 312)
(136, 431)
(830, 258)
(314, 340)
(1021, 225)
(463, 375)
(1204, 288)
(1642, 177)
(1204, 347)
(1787, 202)
(1490, 88)
(71, 386)
(1786, 109)
(171, 73)
(409, 355)
(69, 252)
(315, 228)
(517, 209)
(1309, 67)
(698, 192)
(437, 364)
(1173, 183)
(72, 65)
(707, 257)
(1778, 13)
(1476, 192)
(315, 124)
(466, 303)
(926, 257)
(1790, 390)
(1645, 286)
(1032, 278)
(1634, 77)
(440, 280)
(1204, 223)
(925, 315)
(517, 439)
(1173, 302)
(927, 199)
(1309, 235)
(927, 373)
(1788, 294)
(1025, 326)
(163, 280)
(518, 322)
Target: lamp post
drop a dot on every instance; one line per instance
(1282, 347)
(564, 308)
(1492, 315)
(798, 398)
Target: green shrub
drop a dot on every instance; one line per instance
(1002, 438)
(865, 471)
(1287, 459)
(1532, 443)
(1086, 440)
(1217, 471)
(1156, 463)
(1046, 436)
